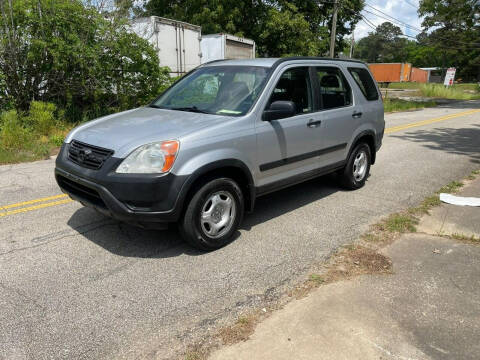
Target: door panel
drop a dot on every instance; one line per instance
(287, 147)
(340, 116)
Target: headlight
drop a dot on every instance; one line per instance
(154, 158)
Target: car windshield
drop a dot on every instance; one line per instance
(223, 90)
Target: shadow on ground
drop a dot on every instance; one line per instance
(129, 241)
(463, 141)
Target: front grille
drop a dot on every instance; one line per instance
(88, 156)
(81, 191)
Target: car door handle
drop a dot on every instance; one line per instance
(357, 115)
(313, 124)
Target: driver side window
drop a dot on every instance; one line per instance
(202, 92)
(294, 85)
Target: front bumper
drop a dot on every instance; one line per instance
(145, 200)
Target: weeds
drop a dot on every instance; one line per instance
(400, 223)
(451, 188)
(317, 279)
(434, 200)
(13, 134)
(393, 105)
(33, 135)
(440, 91)
(456, 92)
(240, 331)
(463, 237)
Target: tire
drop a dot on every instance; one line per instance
(220, 221)
(355, 173)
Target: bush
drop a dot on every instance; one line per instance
(31, 136)
(117, 70)
(41, 117)
(56, 140)
(13, 135)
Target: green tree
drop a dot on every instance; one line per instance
(63, 52)
(279, 27)
(285, 32)
(385, 44)
(455, 33)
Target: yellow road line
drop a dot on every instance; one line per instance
(429, 121)
(5, 207)
(35, 207)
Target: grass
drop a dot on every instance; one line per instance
(317, 279)
(393, 104)
(463, 237)
(406, 221)
(401, 223)
(451, 188)
(455, 92)
(404, 85)
(440, 91)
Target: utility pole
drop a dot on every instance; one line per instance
(334, 29)
(352, 44)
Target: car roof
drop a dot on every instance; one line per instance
(274, 62)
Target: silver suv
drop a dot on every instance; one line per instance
(223, 135)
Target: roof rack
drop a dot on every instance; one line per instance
(290, 58)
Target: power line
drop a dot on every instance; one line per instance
(391, 17)
(446, 47)
(438, 37)
(412, 5)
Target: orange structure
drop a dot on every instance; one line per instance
(419, 75)
(394, 72)
(397, 72)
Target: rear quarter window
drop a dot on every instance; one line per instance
(365, 82)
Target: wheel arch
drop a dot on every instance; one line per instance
(367, 136)
(232, 168)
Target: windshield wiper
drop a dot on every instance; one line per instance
(191, 109)
(155, 106)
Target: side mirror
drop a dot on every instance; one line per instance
(279, 110)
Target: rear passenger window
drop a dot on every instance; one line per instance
(365, 83)
(334, 88)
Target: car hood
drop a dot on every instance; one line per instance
(123, 132)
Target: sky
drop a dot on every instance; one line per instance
(404, 10)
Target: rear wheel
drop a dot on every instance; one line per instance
(355, 173)
(213, 215)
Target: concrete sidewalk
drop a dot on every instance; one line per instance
(428, 309)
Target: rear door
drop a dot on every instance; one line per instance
(372, 100)
(340, 114)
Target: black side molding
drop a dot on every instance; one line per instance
(301, 157)
(297, 179)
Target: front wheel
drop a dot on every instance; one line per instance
(213, 215)
(355, 173)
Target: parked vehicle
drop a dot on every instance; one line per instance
(225, 46)
(225, 134)
(177, 43)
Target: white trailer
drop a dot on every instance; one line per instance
(224, 46)
(177, 43)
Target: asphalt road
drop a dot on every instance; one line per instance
(76, 285)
